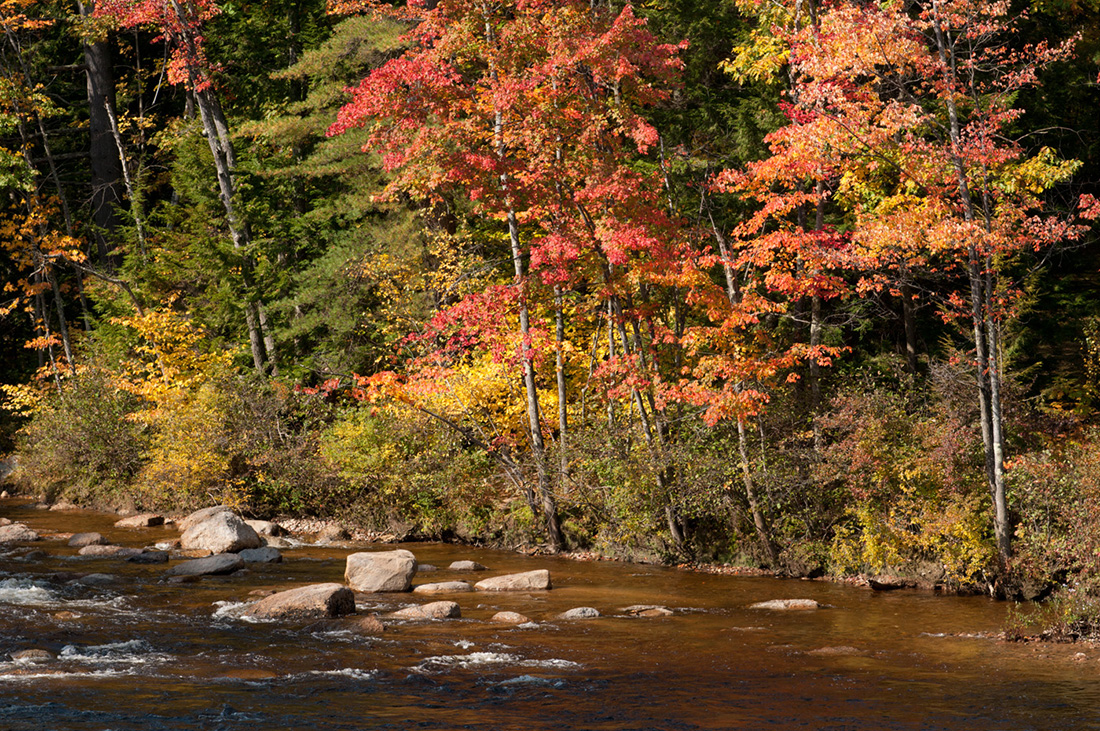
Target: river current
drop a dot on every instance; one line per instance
(135, 652)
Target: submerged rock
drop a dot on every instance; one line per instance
(109, 550)
(79, 540)
(150, 557)
(223, 563)
(267, 554)
(368, 625)
(17, 533)
(317, 600)
(840, 650)
(443, 587)
(787, 605)
(144, 520)
(96, 579)
(221, 532)
(647, 610)
(434, 610)
(525, 581)
(380, 571)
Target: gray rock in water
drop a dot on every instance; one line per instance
(443, 587)
(200, 515)
(35, 555)
(5, 521)
(380, 571)
(96, 579)
(64, 505)
(787, 605)
(434, 610)
(79, 540)
(276, 542)
(109, 550)
(33, 656)
(223, 563)
(425, 568)
(509, 618)
(467, 566)
(267, 554)
(145, 520)
(525, 581)
(17, 533)
(221, 532)
(149, 557)
(306, 602)
(580, 613)
(266, 527)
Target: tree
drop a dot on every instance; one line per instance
(530, 109)
(179, 23)
(911, 115)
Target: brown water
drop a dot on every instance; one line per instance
(141, 654)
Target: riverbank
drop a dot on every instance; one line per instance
(129, 647)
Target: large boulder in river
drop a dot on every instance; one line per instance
(221, 532)
(787, 605)
(145, 520)
(526, 581)
(16, 533)
(224, 563)
(318, 601)
(380, 571)
(200, 515)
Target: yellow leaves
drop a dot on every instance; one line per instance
(1039, 173)
(169, 362)
(760, 60)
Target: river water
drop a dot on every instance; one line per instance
(134, 652)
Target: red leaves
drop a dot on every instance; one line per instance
(178, 23)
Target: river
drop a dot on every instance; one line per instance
(134, 652)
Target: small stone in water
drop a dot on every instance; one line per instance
(467, 566)
(33, 656)
(79, 540)
(580, 613)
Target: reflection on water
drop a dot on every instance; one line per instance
(127, 651)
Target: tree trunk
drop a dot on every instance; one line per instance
(908, 317)
(217, 136)
(986, 338)
(563, 413)
(105, 168)
(763, 533)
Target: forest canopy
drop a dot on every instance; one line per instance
(807, 286)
